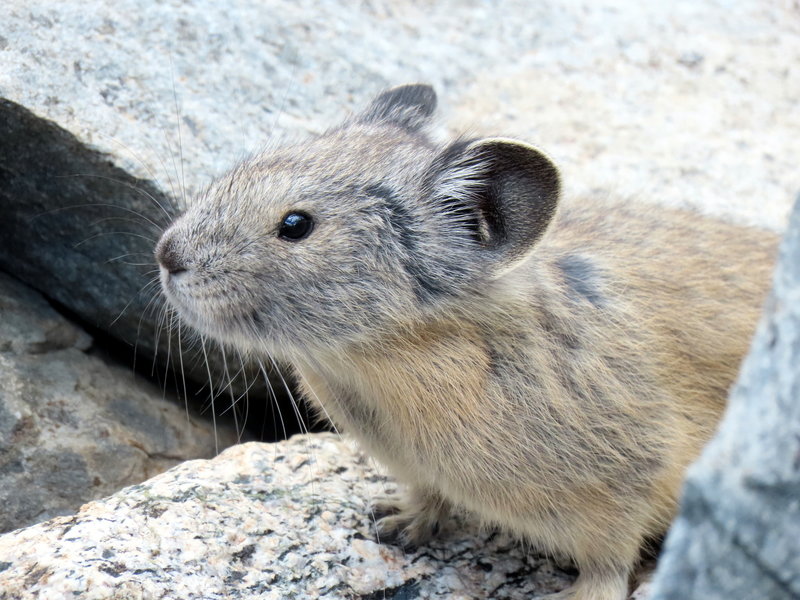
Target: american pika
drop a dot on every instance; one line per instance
(548, 367)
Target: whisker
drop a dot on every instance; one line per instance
(211, 390)
(102, 233)
(322, 407)
(247, 387)
(240, 372)
(183, 374)
(162, 313)
(130, 186)
(230, 390)
(116, 258)
(273, 396)
(145, 311)
(180, 137)
(168, 312)
(292, 401)
(122, 219)
(136, 295)
(147, 168)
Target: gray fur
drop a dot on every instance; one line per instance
(582, 279)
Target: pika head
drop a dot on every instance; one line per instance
(358, 231)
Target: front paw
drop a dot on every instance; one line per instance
(384, 506)
(410, 522)
(406, 531)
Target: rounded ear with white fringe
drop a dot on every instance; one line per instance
(505, 192)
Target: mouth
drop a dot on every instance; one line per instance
(174, 287)
(177, 302)
(214, 316)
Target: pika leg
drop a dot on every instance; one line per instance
(409, 520)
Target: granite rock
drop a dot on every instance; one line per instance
(738, 532)
(260, 521)
(72, 427)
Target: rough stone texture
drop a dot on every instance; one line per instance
(73, 428)
(687, 103)
(260, 521)
(738, 533)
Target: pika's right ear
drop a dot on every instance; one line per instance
(409, 106)
(502, 192)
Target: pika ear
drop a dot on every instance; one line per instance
(409, 106)
(509, 189)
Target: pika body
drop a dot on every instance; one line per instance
(548, 366)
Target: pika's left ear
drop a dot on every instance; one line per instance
(409, 106)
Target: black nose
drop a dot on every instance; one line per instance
(168, 256)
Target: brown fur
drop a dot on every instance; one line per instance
(579, 440)
(557, 385)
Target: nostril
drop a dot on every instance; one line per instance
(169, 258)
(174, 268)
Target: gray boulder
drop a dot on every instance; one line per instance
(260, 521)
(72, 427)
(738, 532)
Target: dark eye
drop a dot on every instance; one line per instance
(295, 226)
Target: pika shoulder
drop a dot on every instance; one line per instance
(549, 367)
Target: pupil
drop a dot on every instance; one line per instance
(295, 226)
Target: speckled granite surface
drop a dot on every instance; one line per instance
(288, 520)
